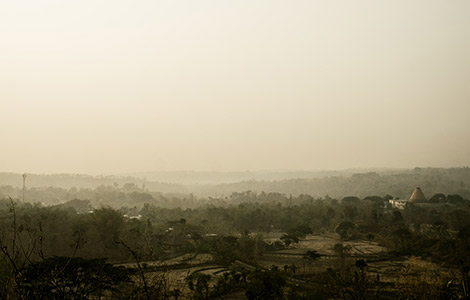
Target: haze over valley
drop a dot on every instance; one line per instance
(196, 150)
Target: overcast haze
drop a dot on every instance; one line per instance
(124, 86)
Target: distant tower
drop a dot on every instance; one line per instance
(418, 195)
(24, 184)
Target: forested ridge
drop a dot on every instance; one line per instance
(110, 190)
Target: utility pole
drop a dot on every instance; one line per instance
(24, 184)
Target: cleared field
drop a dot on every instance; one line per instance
(380, 264)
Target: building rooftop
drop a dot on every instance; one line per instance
(417, 195)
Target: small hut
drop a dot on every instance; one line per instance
(418, 195)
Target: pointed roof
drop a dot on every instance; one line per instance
(417, 195)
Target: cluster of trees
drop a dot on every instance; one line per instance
(439, 230)
(44, 245)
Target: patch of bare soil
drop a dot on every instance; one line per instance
(293, 257)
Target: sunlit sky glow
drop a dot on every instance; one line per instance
(122, 86)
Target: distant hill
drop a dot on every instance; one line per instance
(85, 181)
(336, 184)
(211, 178)
(401, 184)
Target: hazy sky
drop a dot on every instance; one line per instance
(95, 86)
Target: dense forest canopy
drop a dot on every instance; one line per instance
(76, 249)
(120, 238)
